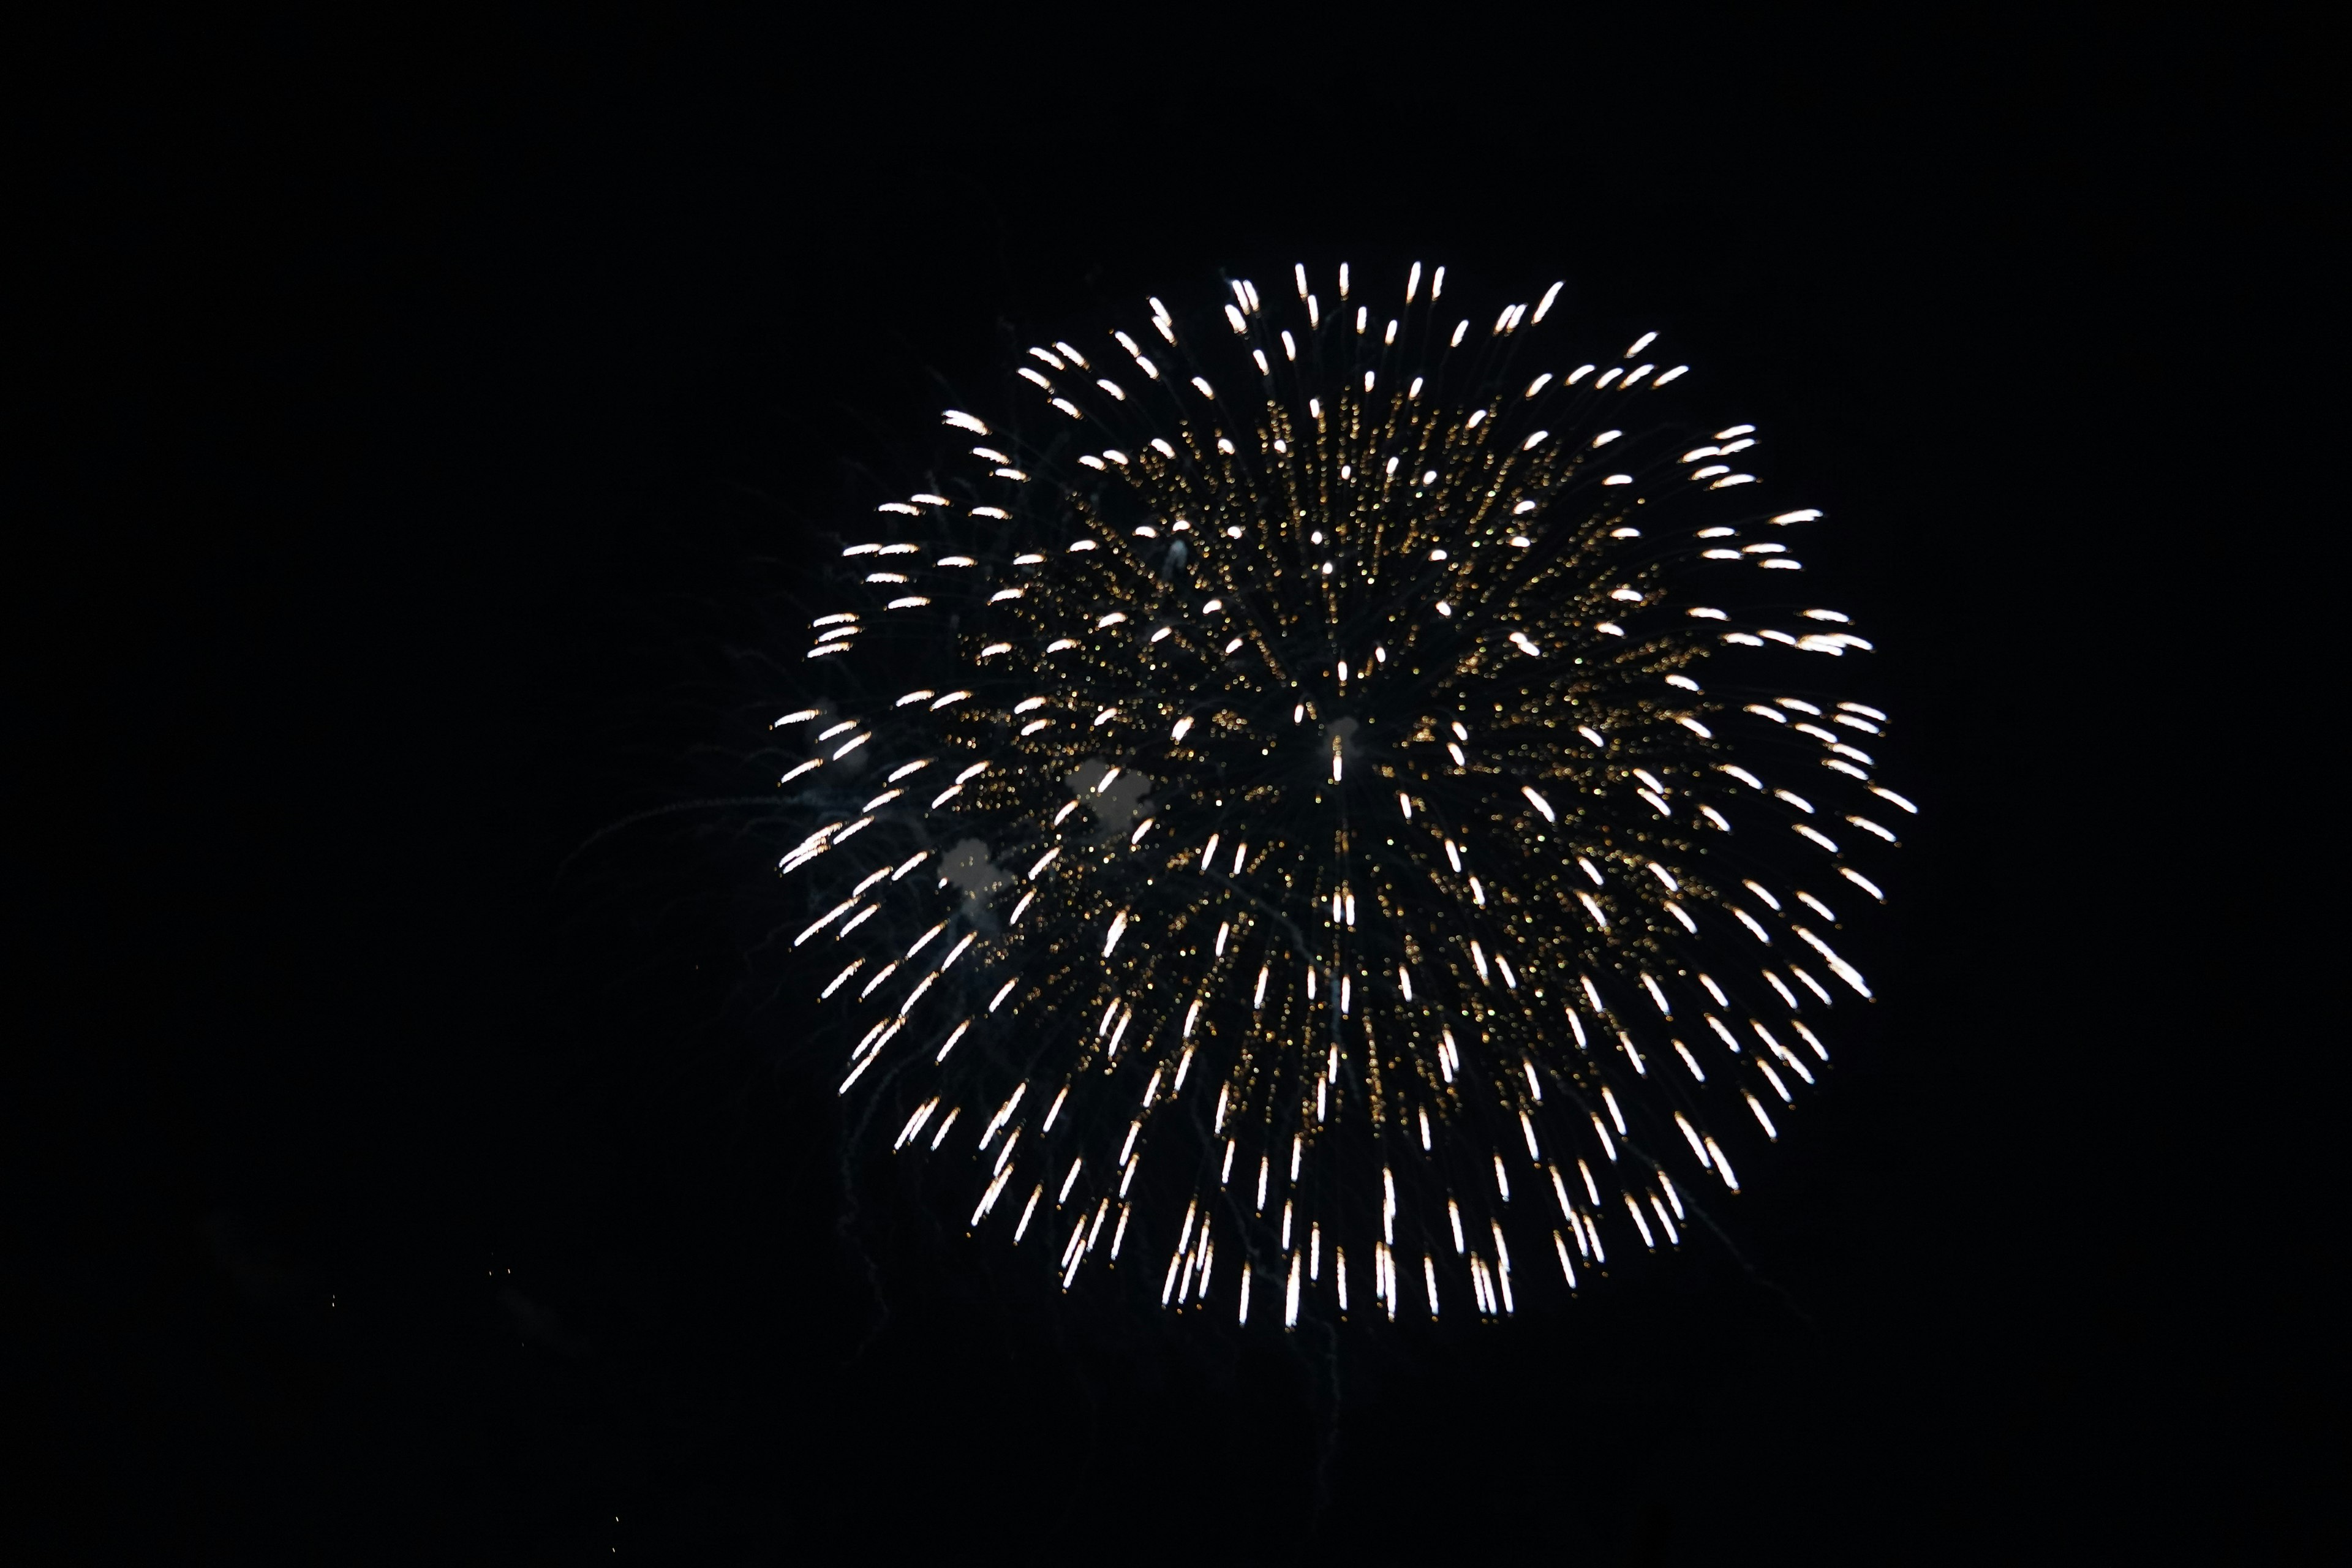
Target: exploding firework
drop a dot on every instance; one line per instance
(1348, 845)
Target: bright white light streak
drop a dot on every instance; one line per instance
(825, 920)
(1690, 1136)
(1838, 966)
(1639, 1223)
(1864, 883)
(915, 1122)
(1650, 985)
(987, 1199)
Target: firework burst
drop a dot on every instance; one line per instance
(1353, 848)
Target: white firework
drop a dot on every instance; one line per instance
(1362, 775)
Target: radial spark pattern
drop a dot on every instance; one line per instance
(1355, 848)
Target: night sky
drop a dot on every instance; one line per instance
(458, 421)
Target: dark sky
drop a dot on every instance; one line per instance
(455, 418)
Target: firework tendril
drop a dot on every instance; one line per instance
(1354, 850)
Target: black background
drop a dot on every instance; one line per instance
(439, 428)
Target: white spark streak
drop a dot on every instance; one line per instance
(1838, 966)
